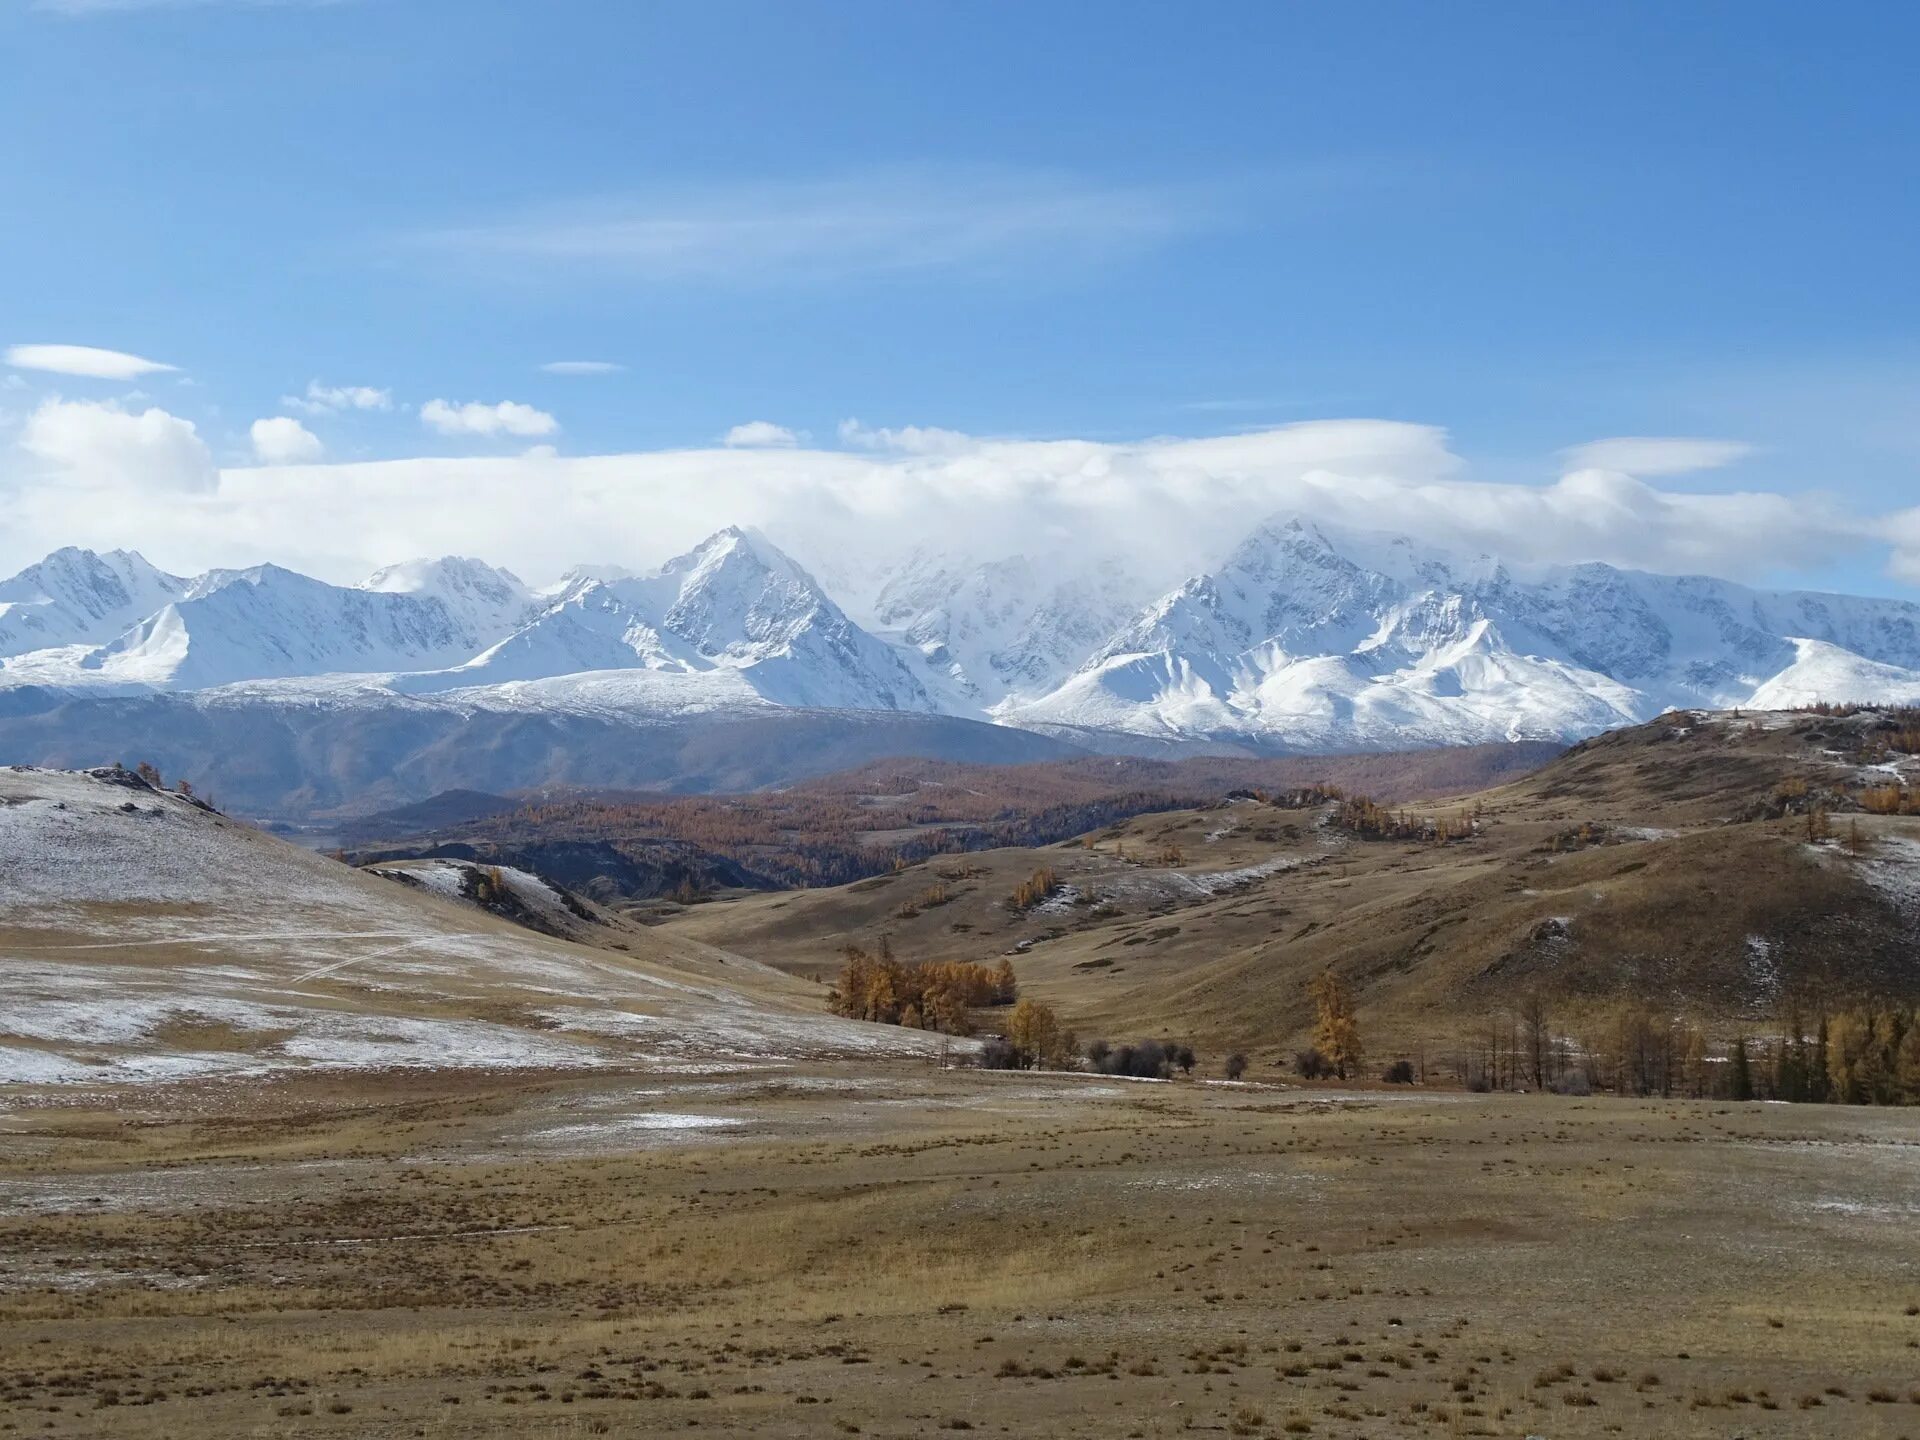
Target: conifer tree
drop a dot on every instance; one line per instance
(1034, 1030)
(1696, 1062)
(1739, 1073)
(1907, 1062)
(1336, 1031)
(1819, 1081)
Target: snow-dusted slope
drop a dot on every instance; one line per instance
(1821, 671)
(269, 622)
(77, 597)
(990, 635)
(1307, 641)
(143, 938)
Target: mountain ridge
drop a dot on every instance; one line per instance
(1304, 638)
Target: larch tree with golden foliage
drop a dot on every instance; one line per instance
(1035, 1032)
(1336, 1031)
(1907, 1062)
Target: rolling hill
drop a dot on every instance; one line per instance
(1716, 866)
(147, 938)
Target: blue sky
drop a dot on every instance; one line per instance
(1533, 225)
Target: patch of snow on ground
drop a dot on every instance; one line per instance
(1227, 1180)
(652, 1120)
(1763, 968)
(1168, 886)
(37, 1067)
(97, 1032)
(1061, 902)
(755, 1034)
(1892, 867)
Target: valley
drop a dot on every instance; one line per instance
(434, 1146)
(789, 721)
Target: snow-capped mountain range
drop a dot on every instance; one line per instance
(1312, 642)
(1302, 639)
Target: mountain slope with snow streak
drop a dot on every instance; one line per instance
(990, 634)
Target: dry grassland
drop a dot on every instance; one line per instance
(900, 1251)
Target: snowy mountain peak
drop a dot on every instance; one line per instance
(1288, 541)
(582, 575)
(271, 622)
(481, 599)
(738, 593)
(742, 553)
(457, 573)
(88, 580)
(77, 596)
(734, 608)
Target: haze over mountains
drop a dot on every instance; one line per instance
(1303, 639)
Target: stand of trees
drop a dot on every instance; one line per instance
(1864, 1055)
(1035, 888)
(1035, 1040)
(920, 995)
(1362, 817)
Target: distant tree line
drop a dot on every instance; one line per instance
(821, 832)
(1868, 1055)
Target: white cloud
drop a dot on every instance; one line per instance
(760, 434)
(1656, 455)
(283, 440)
(509, 417)
(84, 361)
(330, 399)
(908, 439)
(1167, 506)
(101, 446)
(1903, 534)
(889, 220)
(582, 367)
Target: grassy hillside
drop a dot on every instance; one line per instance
(1703, 867)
